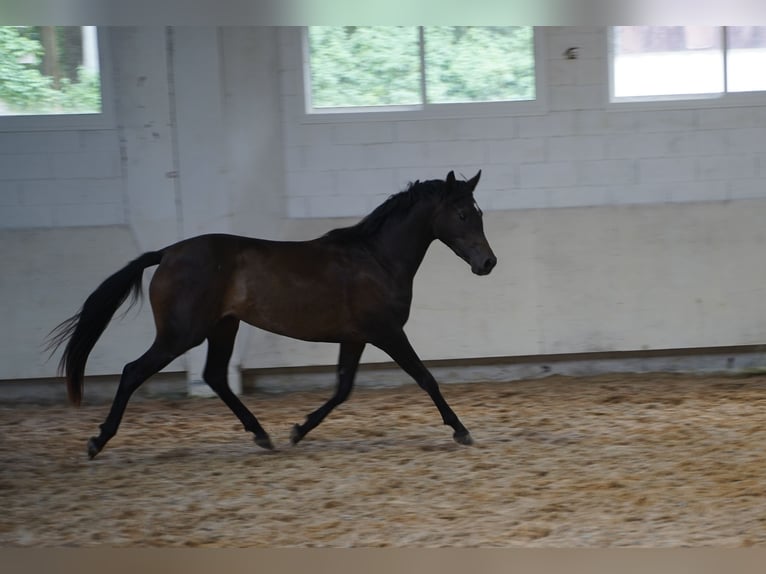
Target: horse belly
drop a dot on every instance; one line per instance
(302, 309)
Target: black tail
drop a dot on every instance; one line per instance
(83, 329)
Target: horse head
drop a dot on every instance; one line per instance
(458, 223)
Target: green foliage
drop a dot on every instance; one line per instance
(22, 86)
(24, 89)
(366, 66)
(479, 64)
(82, 96)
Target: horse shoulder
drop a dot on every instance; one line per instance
(376, 297)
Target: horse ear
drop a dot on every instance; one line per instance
(451, 178)
(474, 180)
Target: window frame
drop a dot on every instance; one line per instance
(63, 122)
(424, 110)
(722, 99)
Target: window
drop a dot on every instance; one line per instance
(681, 62)
(49, 70)
(358, 68)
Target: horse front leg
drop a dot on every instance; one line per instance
(348, 362)
(399, 348)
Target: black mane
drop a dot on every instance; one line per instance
(396, 206)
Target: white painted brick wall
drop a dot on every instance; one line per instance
(590, 97)
(368, 181)
(577, 150)
(517, 151)
(494, 129)
(606, 172)
(747, 188)
(428, 130)
(579, 196)
(38, 142)
(551, 174)
(518, 198)
(653, 170)
(550, 125)
(666, 120)
(743, 140)
(363, 133)
(600, 122)
(698, 191)
(71, 192)
(337, 205)
(727, 167)
(739, 117)
(60, 179)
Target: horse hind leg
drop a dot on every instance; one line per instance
(133, 376)
(220, 346)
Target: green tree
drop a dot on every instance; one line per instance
(22, 86)
(364, 66)
(479, 64)
(25, 88)
(83, 95)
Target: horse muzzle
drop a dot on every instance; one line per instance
(484, 266)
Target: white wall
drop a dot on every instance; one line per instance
(47, 274)
(579, 151)
(194, 146)
(616, 229)
(60, 179)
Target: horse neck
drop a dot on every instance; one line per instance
(401, 245)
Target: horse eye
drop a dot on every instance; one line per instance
(461, 215)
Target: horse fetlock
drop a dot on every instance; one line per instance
(450, 419)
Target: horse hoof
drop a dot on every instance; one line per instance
(264, 442)
(93, 449)
(463, 438)
(296, 435)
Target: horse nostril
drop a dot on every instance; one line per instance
(489, 264)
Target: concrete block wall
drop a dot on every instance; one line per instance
(617, 228)
(60, 178)
(171, 161)
(576, 150)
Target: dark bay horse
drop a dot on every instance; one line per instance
(351, 286)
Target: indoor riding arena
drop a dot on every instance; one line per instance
(603, 461)
(563, 273)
